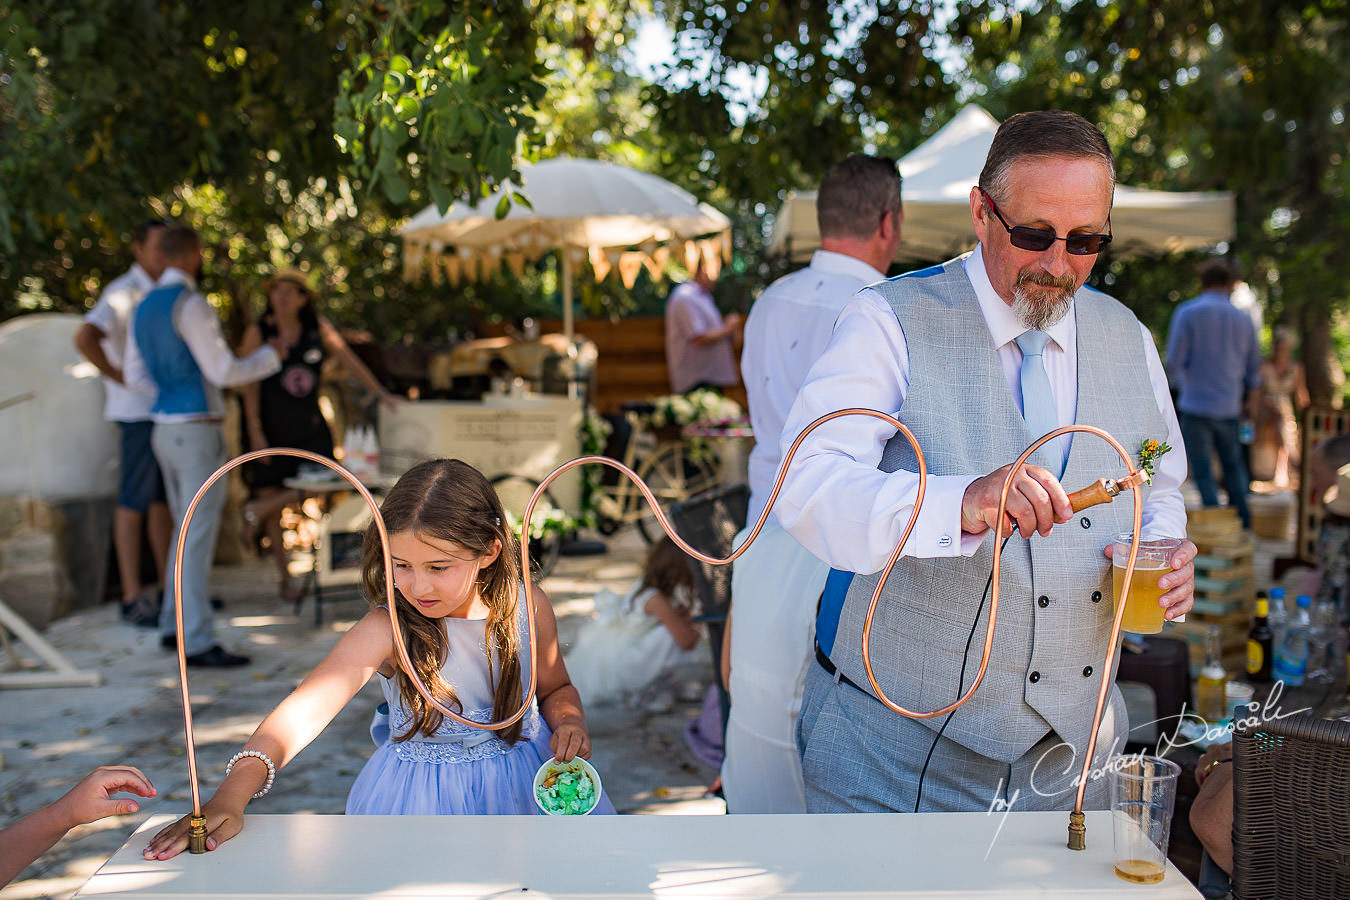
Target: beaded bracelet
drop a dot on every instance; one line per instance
(267, 760)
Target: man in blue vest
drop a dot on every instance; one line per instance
(177, 352)
(979, 357)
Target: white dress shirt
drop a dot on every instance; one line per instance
(199, 327)
(112, 316)
(841, 507)
(788, 327)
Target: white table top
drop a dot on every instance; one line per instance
(334, 483)
(929, 855)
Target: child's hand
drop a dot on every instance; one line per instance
(92, 799)
(222, 823)
(569, 741)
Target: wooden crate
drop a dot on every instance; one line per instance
(1225, 589)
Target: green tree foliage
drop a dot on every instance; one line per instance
(765, 96)
(285, 132)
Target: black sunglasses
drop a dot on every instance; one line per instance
(1037, 239)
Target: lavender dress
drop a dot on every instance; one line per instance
(459, 770)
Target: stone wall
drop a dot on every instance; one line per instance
(34, 575)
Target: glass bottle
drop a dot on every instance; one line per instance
(1291, 659)
(1277, 618)
(1260, 642)
(1322, 665)
(1209, 689)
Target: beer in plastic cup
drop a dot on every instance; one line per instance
(1143, 615)
(1143, 797)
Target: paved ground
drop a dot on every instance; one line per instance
(51, 737)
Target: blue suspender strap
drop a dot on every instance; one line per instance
(831, 607)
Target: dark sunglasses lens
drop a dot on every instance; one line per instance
(1030, 238)
(1086, 244)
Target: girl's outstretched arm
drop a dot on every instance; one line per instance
(287, 730)
(677, 619)
(559, 702)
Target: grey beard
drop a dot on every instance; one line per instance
(1035, 311)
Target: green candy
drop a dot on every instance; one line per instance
(571, 793)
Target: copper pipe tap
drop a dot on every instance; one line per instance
(1103, 491)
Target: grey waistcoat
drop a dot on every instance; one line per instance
(1055, 601)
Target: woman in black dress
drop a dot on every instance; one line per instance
(283, 410)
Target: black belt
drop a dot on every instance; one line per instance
(828, 665)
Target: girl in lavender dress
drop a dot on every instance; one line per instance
(458, 590)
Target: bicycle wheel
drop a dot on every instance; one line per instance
(673, 474)
(515, 492)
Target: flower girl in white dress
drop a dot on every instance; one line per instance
(636, 638)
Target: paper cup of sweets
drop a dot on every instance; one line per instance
(569, 788)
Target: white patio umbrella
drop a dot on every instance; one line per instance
(938, 176)
(613, 216)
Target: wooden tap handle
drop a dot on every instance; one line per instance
(1090, 496)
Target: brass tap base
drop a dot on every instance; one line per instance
(1077, 832)
(197, 834)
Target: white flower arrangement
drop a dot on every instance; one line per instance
(703, 407)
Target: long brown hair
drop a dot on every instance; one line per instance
(667, 569)
(449, 500)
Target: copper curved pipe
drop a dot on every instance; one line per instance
(1089, 496)
(197, 832)
(1081, 499)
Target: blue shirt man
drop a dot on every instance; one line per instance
(1214, 360)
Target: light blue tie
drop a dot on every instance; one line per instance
(1038, 403)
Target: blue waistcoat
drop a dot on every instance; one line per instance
(178, 378)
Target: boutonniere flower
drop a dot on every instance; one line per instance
(1149, 452)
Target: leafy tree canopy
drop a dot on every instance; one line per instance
(305, 132)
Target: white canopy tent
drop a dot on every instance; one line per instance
(939, 174)
(612, 216)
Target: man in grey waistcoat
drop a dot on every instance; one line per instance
(978, 357)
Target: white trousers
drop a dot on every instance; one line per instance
(775, 587)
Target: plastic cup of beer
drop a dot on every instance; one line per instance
(1143, 797)
(1143, 615)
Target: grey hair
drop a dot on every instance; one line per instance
(1040, 134)
(855, 194)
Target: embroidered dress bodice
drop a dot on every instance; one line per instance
(466, 670)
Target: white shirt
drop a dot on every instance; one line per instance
(691, 313)
(841, 507)
(199, 327)
(112, 316)
(788, 327)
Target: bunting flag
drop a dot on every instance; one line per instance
(630, 264)
(691, 253)
(656, 264)
(488, 264)
(456, 264)
(452, 268)
(600, 263)
(712, 259)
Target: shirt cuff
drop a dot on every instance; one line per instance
(937, 532)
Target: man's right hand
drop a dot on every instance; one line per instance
(1036, 502)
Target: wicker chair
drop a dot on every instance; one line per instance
(1291, 809)
(709, 522)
